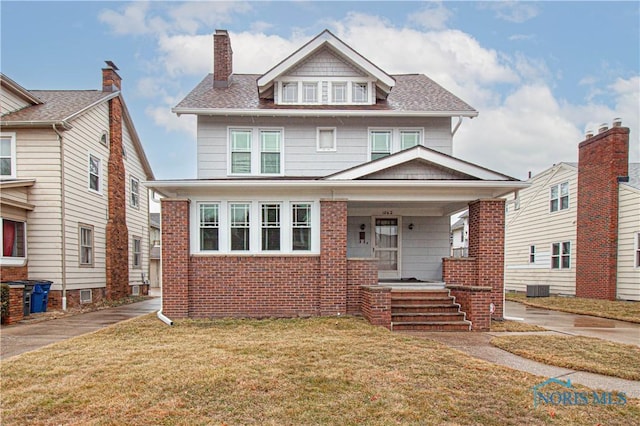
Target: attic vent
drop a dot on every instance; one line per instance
(617, 122)
(103, 138)
(603, 128)
(135, 290)
(85, 296)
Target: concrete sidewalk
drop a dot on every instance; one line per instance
(20, 338)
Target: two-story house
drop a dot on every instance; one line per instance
(323, 185)
(74, 202)
(577, 227)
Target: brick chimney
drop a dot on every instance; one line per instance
(222, 59)
(111, 81)
(603, 158)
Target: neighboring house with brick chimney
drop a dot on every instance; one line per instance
(74, 203)
(325, 186)
(577, 227)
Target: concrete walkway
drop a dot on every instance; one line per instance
(20, 338)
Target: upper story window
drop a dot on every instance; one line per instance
(95, 173)
(134, 197)
(7, 155)
(409, 138)
(559, 197)
(290, 92)
(380, 143)
(339, 92)
(255, 151)
(384, 142)
(360, 92)
(14, 239)
(310, 92)
(326, 139)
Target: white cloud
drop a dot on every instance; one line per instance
(433, 16)
(163, 117)
(512, 11)
(132, 19)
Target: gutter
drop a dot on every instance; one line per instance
(274, 112)
(63, 218)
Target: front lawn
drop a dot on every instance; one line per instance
(612, 309)
(576, 352)
(272, 372)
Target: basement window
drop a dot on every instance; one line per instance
(86, 296)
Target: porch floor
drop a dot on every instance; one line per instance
(412, 284)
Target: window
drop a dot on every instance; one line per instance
(360, 92)
(240, 222)
(8, 155)
(409, 138)
(310, 92)
(301, 226)
(86, 245)
(104, 138)
(339, 92)
(559, 197)
(326, 139)
(134, 199)
(290, 92)
(209, 227)
(137, 252)
(241, 151)
(270, 152)
(532, 254)
(561, 255)
(13, 238)
(95, 173)
(380, 144)
(270, 227)
(637, 264)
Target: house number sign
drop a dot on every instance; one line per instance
(387, 212)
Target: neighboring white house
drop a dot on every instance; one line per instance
(543, 223)
(460, 236)
(74, 203)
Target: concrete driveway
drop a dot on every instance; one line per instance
(20, 338)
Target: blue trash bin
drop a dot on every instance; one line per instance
(37, 297)
(46, 286)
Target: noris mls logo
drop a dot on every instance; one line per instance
(569, 396)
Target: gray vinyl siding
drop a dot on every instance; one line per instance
(628, 225)
(10, 102)
(83, 206)
(326, 64)
(533, 224)
(301, 157)
(38, 157)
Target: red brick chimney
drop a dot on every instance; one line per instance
(222, 59)
(603, 158)
(111, 81)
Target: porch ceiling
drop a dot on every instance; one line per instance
(423, 208)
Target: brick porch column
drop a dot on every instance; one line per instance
(175, 257)
(333, 257)
(486, 245)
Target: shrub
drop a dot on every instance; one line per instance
(4, 300)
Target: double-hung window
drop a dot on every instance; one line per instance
(301, 226)
(270, 151)
(310, 93)
(95, 173)
(559, 197)
(137, 252)
(134, 197)
(290, 92)
(86, 245)
(209, 227)
(241, 151)
(7, 155)
(532, 254)
(240, 215)
(561, 255)
(13, 238)
(270, 227)
(409, 138)
(339, 92)
(360, 92)
(380, 143)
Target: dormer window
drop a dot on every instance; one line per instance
(310, 92)
(360, 92)
(290, 92)
(339, 92)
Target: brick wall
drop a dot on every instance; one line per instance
(16, 305)
(117, 233)
(14, 273)
(175, 258)
(602, 159)
(475, 303)
(460, 271)
(222, 58)
(73, 298)
(333, 257)
(359, 272)
(376, 305)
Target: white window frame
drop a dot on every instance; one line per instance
(328, 82)
(206, 225)
(255, 150)
(136, 255)
(231, 151)
(330, 95)
(396, 137)
(309, 225)
(318, 92)
(403, 131)
(13, 260)
(268, 225)
(370, 140)
(281, 87)
(81, 245)
(248, 226)
(558, 199)
(134, 197)
(100, 174)
(561, 255)
(334, 146)
(636, 250)
(367, 100)
(255, 226)
(12, 155)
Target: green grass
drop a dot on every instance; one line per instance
(612, 309)
(577, 353)
(318, 371)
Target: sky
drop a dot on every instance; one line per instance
(540, 73)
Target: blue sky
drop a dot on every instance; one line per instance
(539, 73)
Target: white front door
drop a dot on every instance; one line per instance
(386, 246)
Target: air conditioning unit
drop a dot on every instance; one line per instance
(538, 290)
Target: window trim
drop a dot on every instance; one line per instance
(396, 138)
(636, 250)
(135, 205)
(559, 198)
(560, 256)
(281, 87)
(331, 99)
(199, 206)
(134, 264)
(352, 96)
(255, 153)
(264, 226)
(13, 156)
(13, 260)
(370, 140)
(92, 247)
(318, 92)
(248, 226)
(100, 173)
(334, 148)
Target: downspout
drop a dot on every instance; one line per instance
(164, 319)
(455, 129)
(63, 219)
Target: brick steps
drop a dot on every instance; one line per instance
(426, 310)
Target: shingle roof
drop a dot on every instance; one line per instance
(634, 175)
(57, 105)
(412, 92)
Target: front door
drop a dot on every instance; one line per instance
(386, 243)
